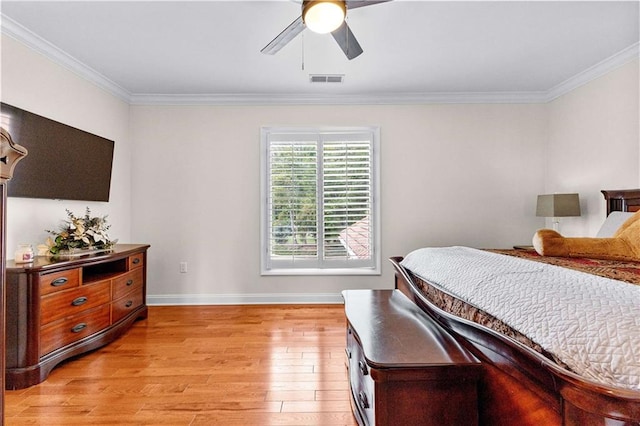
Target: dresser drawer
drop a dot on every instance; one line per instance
(58, 281)
(68, 330)
(125, 305)
(75, 300)
(362, 386)
(126, 283)
(135, 261)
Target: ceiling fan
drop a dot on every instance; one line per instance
(323, 16)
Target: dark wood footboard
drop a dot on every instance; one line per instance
(519, 385)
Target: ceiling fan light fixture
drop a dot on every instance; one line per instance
(323, 16)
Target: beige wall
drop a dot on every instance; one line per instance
(31, 82)
(451, 174)
(594, 144)
(186, 179)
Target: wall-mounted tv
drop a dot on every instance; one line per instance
(63, 162)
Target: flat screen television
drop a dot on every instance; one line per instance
(63, 162)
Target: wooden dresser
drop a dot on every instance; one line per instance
(58, 308)
(403, 367)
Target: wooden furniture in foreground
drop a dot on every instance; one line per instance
(403, 367)
(10, 154)
(520, 386)
(61, 307)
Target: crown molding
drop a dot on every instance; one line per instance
(336, 99)
(598, 70)
(18, 32)
(55, 54)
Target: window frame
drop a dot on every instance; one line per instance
(304, 133)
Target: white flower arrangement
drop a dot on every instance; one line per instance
(80, 233)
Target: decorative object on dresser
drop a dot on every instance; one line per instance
(558, 205)
(10, 154)
(24, 254)
(58, 308)
(403, 367)
(80, 235)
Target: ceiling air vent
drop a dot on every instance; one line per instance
(326, 78)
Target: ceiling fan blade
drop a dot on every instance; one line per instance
(347, 41)
(284, 37)
(354, 4)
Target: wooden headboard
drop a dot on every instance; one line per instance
(622, 200)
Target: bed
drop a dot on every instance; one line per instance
(536, 380)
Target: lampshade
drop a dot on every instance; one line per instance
(558, 205)
(323, 16)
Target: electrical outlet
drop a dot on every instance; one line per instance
(183, 267)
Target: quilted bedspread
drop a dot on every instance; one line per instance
(590, 323)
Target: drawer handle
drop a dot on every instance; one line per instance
(363, 368)
(136, 261)
(128, 304)
(79, 301)
(59, 281)
(129, 282)
(78, 328)
(362, 399)
(348, 351)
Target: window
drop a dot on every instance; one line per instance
(320, 209)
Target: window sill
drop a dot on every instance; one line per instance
(321, 272)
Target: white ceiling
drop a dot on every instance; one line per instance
(410, 47)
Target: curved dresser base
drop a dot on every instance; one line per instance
(20, 378)
(59, 308)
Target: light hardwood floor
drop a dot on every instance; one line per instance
(203, 365)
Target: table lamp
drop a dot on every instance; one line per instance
(558, 205)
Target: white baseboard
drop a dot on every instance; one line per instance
(243, 299)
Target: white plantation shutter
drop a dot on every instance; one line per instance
(319, 210)
(293, 188)
(347, 201)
